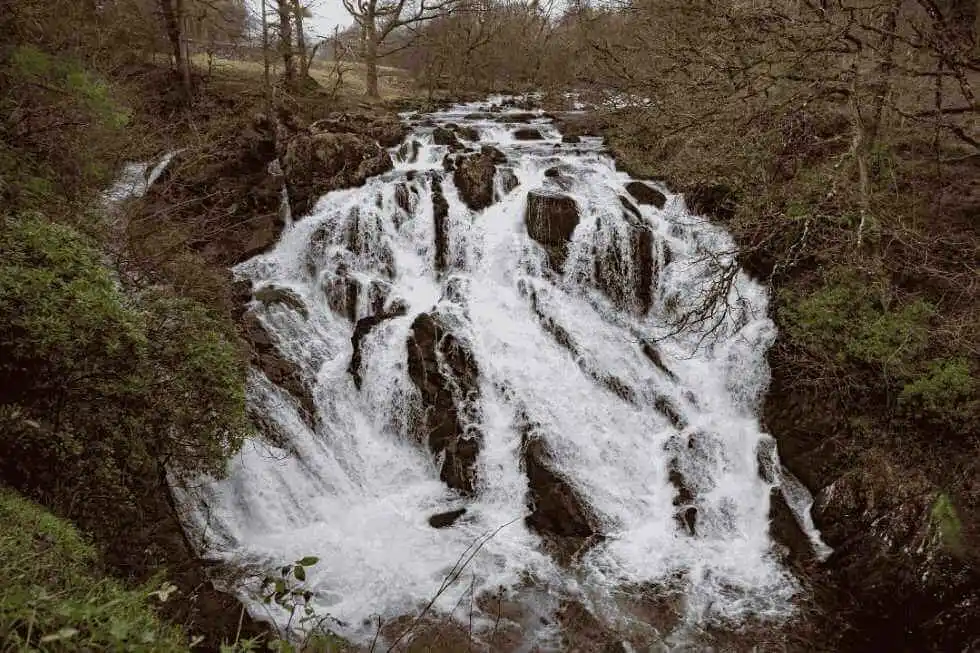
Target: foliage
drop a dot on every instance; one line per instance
(944, 518)
(54, 599)
(945, 393)
(102, 391)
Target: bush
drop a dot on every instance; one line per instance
(54, 599)
(101, 392)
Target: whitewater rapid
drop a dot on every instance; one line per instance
(356, 491)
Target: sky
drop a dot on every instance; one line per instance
(326, 15)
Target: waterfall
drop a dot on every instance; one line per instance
(571, 344)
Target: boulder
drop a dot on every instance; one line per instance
(384, 128)
(362, 328)
(280, 371)
(612, 266)
(646, 194)
(508, 180)
(275, 294)
(474, 180)
(495, 154)
(448, 518)
(571, 138)
(528, 134)
(444, 136)
(469, 133)
(556, 507)
(446, 376)
(342, 292)
(784, 529)
(403, 198)
(440, 215)
(316, 163)
(551, 219)
(409, 151)
(516, 117)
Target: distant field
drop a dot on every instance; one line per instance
(393, 82)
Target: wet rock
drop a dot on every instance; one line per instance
(440, 215)
(508, 180)
(469, 133)
(528, 134)
(551, 219)
(495, 154)
(474, 180)
(584, 633)
(612, 267)
(444, 519)
(275, 294)
(315, 164)
(409, 151)
(715, 201)
(480, 116)
(517, 117)
(645, 194)
(444, 136)
(364, 327)
(686, 514)
(241, 294)
(279, 370)
(666, 407)
(556, 506)
(446, 376)
(403, 198)
(653, 355)
(784, 529)
(385, 128)
(571, 138)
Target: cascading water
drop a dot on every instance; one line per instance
(574, 347)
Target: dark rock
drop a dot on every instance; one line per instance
(784, 529)
(516, 117)
(551, 219)
(444, 136)
(469, 133)
(556, 506)
(275, 294)
(386, 128)
(444, 519)
(363, 327)
(474, 180)
(571, 138)
(280, 371)
(241, 294)
(508, 180)
(318, 163)
(666, 407)
(716, 201)
(653, 355)
(612, 267)
(528, 134)
(409, 151)
(495, 154)
(584, 633)
(479, 116)
(403, 199)
(342, 292)
(446, 375)
(645, 194)
(440, 214)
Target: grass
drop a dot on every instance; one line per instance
(54, 598)
(394, 83)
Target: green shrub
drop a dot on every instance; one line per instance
(845, 320)
(102, 391)
(53, 599)
(944, 394)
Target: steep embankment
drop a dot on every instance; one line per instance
(874, 392)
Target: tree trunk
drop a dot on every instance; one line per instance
(185, 68)
(267, 85)
(304, 56)
(371, 60)
(172, 21)
(286, 43)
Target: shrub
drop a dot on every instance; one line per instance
(54, 599)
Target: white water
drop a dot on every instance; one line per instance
(358, 491)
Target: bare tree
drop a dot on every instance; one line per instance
(378, 19)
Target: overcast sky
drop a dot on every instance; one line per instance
(326, 15)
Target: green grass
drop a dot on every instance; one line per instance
(53, 597)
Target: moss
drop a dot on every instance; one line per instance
(53, 597)
(946, 521)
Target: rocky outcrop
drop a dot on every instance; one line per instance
(275, 294)
(362, 328)
(508, 180)
(613, 265)
(571, 139)
(446, 376)
(551, 219)
(409, 151)
(444, 136)
(318, 162)
(528, 134)
(556, 507)
(646, 194)
(384, 128)
(469, 133)
(474, 179)
(440, 215)
(448, 518)
(282, 372)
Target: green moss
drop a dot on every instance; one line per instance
(54, 599)
(944, 393)
(947, 522)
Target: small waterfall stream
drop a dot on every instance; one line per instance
(573, 347)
